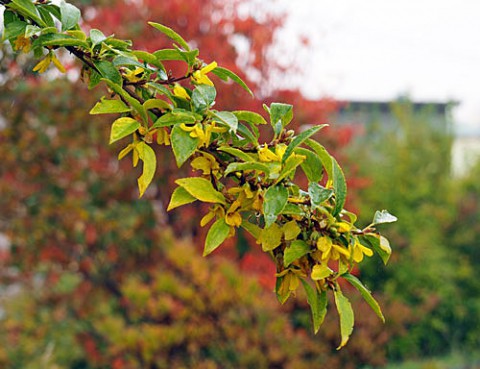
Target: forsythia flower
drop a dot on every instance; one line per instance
(133, 75)
(163, 137)
(43, 64)
(22, 43)
(206, 163)
(265, 155)
(330, 250)
(359, 250)
(179, 91)
(215, 211)
(233, 217)
(200, 76)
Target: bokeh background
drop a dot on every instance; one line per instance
(92, 277)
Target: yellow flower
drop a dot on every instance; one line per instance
(265, 155)
(179, 91)
(344, 227)
(359, 250)
(215, 211)
(280, 150)
(203, 132)
(22, 43)
(43, 64)
(233, 217)
(163, 137)
(134, 75)
(205, 163)
(200, 76)
(330, 250)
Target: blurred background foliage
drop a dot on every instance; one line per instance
(92, 277)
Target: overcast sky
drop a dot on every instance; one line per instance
(379, 49)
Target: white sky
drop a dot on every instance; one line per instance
(380, 49)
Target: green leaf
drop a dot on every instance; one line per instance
(345, 313)
(382, 249)
(105, 106)
(203, 97)
(236, 152)
(148, 58)
(217, 233)
(366, 294)
(318, 304)
(123, 127)
(225, 74)
(47, 17)
(312, 165)
(170, 33)
(175, 117)
(270, 237)
(123, 60)
(57, 39)
(156, 104)
(250, 165)
(201, 189)
(275, 199)
(119, 44)
(147, 155)
(249, 116)
(117, 88)
(293, 209)
(295, 251)
(226, 118)
(180, 196)
(289, 167)
(94, 80)
(31, 30)
(340, 188)
(108, 71)
(318, 194)
(383, 216)
(97, 37)
(298, 140)
(251, 228)
(182, 144)
(247, 134)
(14, 29)
(70, 15)
(27, 9)
(175, 54)
(323, 155)
(280, 116)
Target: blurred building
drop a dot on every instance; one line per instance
(368, 116)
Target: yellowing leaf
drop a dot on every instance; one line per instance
(201, 189)
(270, 237)
(123, 127)
(321, 271)
(217, 233)
(147, 155)
(318, 305)
(291, 230)
(345, 313)
(183, 145)
(180, 196)
(105, 106)
(295, 251)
